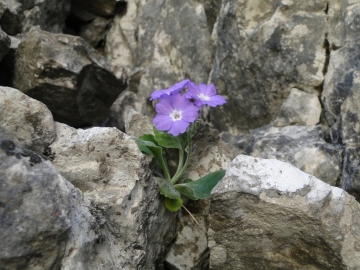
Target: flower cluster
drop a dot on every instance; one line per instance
(177, 110)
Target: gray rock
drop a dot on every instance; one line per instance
(301, 146)
(26, 121)
(350, 178)
(268, 214)
(94, 32)
(132, 223)
(20, 16)
(98, 7)
(299, 108)
(4, 44)
(67, 75)
(262, 50)
(136, 124)
(342, 67)
(35, 203)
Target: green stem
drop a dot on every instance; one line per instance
(179, 172)
(180, 165)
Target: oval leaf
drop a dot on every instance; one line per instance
(173, 205)
(201, 188)
(167, 189)
(166, 140)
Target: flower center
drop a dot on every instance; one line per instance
(175, 115)
(203, 97)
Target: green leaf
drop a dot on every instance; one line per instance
(157, 151)
(166, 140)
(167, 189)
(201, 188)
(173, 205)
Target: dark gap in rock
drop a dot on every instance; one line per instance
(120, 8)
(7, 66)
(338, 180)
(335, 48)
(326, 8)
(73, 25)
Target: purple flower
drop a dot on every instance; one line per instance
(204, 95)
(174, 114)
(176, 88)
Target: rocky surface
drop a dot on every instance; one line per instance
(301, 146)
(19, 16)
(25, 121)
(106, 165)
(4, 44)
(39, 212)
(269, 214)
(67, 75)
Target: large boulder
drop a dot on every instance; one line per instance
(19, 16)
(268, 214)
(26, 121)
(262, 50)
(42, 216)
(67, 75)
(301, 146)
(133, 225)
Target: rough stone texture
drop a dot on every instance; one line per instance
(337, 85)
(26, 121)
(125, 102)
(121, 40)
(266, 214)
(299, 108)
(35, 210)
(20, 16)
(350, 178)
(4, 44)
(136, 124)
(132, 221)
(99, 7)
(262, 50)
(94, 32)
(301, 146)
(166, 40)
(67, 75)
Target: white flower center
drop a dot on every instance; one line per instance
(203, 97)
(176, 115)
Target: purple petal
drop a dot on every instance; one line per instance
(179, 101)
(190, 113)
(162, 122)
(192, 91)
(164, 106)
(176, 88)
(215, 101)
(178, 127)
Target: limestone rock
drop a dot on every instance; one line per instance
(95, 31)
(301, 146)
(299, 108)
(136, 124)
(262, 50)
(26, 121)
(19, 16)
(67, 75)
(35, 205)
(132, 221)
(268, 214)
(4, 44)
(350, 178)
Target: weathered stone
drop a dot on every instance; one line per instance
(125, 102)
(268, 214)
(26, 121)
(132, 221)
(350, 178)
(262, 50)
(35, 203)
(4, 44)
(99, 7)
(299, 108)
(67, 75)
(212, 8)
(20, 16)
(301, 146)
(94, 32)
(136, 124)
(343, 67)
(121, 40)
